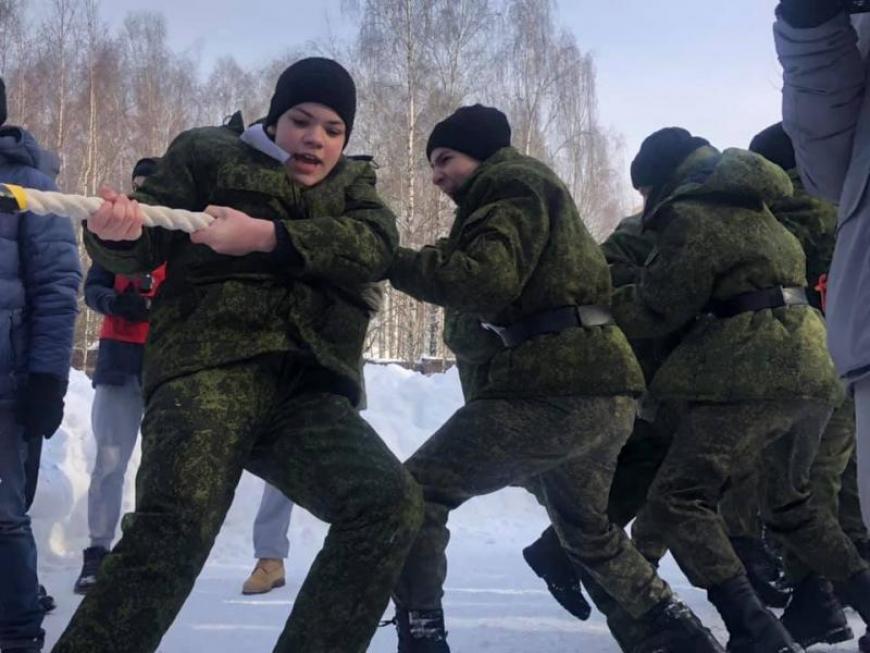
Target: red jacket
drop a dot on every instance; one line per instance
(117, 328)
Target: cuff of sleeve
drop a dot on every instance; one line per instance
(285, 255)
(804, 14)
(119, 245)
(402, 268)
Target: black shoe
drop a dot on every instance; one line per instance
(46, 601)
(421, 631)
(815, 616)
(752, 627)
(675, 628)
(764, 571)
(93, 558)
(549, 561)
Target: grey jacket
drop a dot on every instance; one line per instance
(826, 111)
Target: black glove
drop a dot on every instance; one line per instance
(131, 306)
(804, 14)
(40, 410)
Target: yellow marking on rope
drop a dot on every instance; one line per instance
(19, 194)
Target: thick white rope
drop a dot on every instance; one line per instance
(80, 207)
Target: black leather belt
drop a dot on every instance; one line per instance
(758, 300)
(552, 321)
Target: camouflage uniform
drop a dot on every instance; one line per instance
(550, 414)
(813, 222)
(758, 381)
(627, 250)
(254, 363)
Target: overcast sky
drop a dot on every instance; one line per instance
(707, 65)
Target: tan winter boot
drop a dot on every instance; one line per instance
(267, 575)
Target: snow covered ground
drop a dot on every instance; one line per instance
(493, 601)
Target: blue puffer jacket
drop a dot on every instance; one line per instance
(39, 273)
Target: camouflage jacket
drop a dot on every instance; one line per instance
(814, 223)
(627, 250)
(518, 247)
(715, 239)
(215, 309)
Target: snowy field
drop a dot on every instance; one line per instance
(493, 601)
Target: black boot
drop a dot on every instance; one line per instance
(814, 615)
(46, 600)
(674, 628)
(763, 570)
(751, 626)
(857, 592)
(93, 558)
(421, 631)
(549, 561)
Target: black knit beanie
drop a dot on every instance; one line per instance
(315, 79)
(661, 154)
(2, 102)
(477, 131)
(776, 146)
(145, 167)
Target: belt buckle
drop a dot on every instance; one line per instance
(593, 316)
(792, 296)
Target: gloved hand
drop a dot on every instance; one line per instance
(804, 14)
(40, 410)
(131, 306)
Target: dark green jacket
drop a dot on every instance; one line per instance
(518, 247)
(215, 309)
(627, 250)
(716, 239)
(814, 223)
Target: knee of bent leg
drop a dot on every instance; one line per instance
(669, 501)
(399, 502)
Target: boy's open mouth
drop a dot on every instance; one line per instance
(307, 158)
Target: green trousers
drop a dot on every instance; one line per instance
(564, 450)
(833, 483)
(277, 417)
(713, 443)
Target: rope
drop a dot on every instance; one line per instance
(80, 207)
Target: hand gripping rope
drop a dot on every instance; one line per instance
(14, 199)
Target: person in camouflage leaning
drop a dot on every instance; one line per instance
(253, 362)
(549, 380)
(752, 373)
(814, 615)
(626, 251)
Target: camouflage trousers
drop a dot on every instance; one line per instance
(713, 443)
(833, 483)
(637, 466)
(277, 418)
(563, 450)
